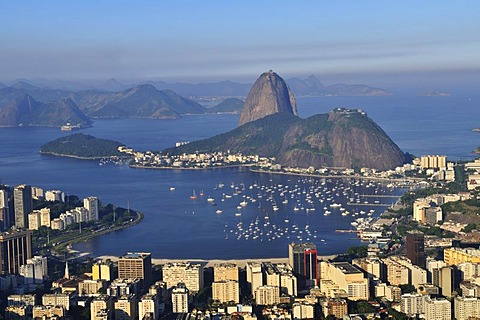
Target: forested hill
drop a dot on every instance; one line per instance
(82, 146)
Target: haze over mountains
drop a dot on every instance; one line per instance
(33, 102)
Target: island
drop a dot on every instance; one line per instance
(83, 146)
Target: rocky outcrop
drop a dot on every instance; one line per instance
(268, 95)
(342, 138)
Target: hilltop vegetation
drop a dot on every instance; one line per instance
(341, 138)
(84, 146)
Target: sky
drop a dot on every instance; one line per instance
(382, 43)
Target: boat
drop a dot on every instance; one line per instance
(238, 214)
(193, 196)
(210, 199)
(172, 188)
(218, 211)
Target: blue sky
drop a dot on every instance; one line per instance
(375, 42)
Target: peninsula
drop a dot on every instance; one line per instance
(83, 146)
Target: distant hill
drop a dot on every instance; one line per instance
(143, 101)
(230, 105)
(341, 138)
(222, 88)
(2, 85)
(83, 146)
(311, 86)
(435, 93)
(20, 109)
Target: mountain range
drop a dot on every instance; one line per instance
(310, 86)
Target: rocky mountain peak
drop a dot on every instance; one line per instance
(268, 95)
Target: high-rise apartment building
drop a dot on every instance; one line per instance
(190, 274)
(303, 259)
(180, 299)
(22, 204)
(15, 250)
(467, 308)
(102, 271)
(136, 265)
(225, 271)
(91, 204)
(254, 276)
(126, 308)
(226, 291)
(416, 249)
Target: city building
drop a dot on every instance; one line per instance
(99, 305)
(373, 266)
(225, 271)
(34, 220)
(121, 287)
(455, 256)
(391, 293)
(136, 265)
(412, 304)
(466, 308)
(102, 271)
(433, 162)
(335, 307)
(437, 309)
(267, 295)
(191, 275)
(21, 300)
(225, 291)
(416, 249)
(90, 287)
(303, 311)
(57, 299)
(126, 308)
(446, 281)
(303, 259)
(148, 307)
(15, 250)
(254, 276)
(91, 204)
(35, 270)
(342, 277)
(48, 312)
(469, 270)
(54, 195)
(22, 204)
(180, 298)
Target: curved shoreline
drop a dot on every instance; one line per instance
(94, 234)
(135, 166)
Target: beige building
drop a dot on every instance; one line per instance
(226, 291)
(136, 265)
(16, 312)
(303, 311)
(57, 224)
(254, 276)
(45, 217)
(267, 295)
(148, 307)
(335, 307)
(345, 277)
(57, 299)
(183, 272)
(419, 210)
(438, 309)
(21, 300)
(90, 287)
(180, 299)
(91, 204)
(456, 256)
(99, 305)
(54, 195)
(391, 293)
(397, 274)
(433, 162)
(412, 304)
(225, 271)
(469, 270)
(34, 220)
(372, 266)
(42, 312)
(102, 271)
(466, 308)
(126, 308)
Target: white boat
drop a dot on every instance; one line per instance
(238, 214)
(172, 188)
(218, 211)
(210, 199)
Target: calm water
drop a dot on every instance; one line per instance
(176, 227)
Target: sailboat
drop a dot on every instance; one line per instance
(193, 196)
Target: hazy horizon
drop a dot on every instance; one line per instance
(428, 45)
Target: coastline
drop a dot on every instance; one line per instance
(79, 157)
(92, 235)
(135, 166)
(336, 176)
